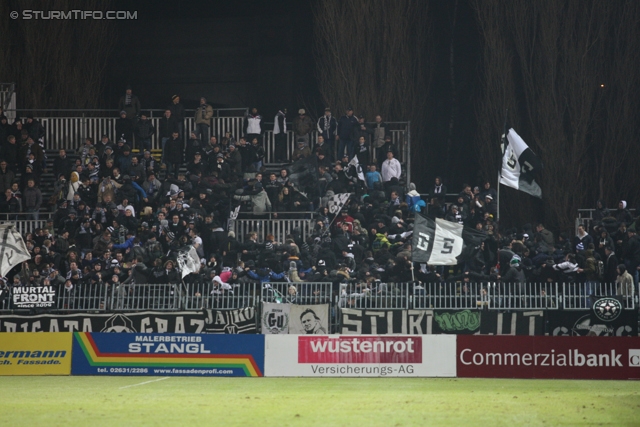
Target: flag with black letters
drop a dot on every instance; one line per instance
(520, 165)
(436, 242)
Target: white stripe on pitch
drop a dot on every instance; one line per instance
(146, 382)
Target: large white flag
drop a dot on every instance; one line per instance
(336, 202)
(188, 261)
(13, 250)
(520, 165)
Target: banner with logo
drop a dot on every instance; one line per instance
(549, 357)
(35, 354)
(168, 354)
(275, 318)
(410, 322)
(240, 321)
(586, 323)
(295, 319)
(361, 356)
(33, 297)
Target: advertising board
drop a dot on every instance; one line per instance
(35, 354)
(168, 354)
(549, 357)
(360, 356)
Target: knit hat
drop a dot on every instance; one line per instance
(515, 260)
(301, 111)
(173, 98)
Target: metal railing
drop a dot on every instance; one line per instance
(399, 136)
(450, 295)
(157, 297)
(412, 295)
(69, 133)
(5, 299)
(28, 226)
(8, 99)
(64, 131)
(213, 295)
(376, 295)
(84, 297)
(585, 217)
(306, 293)
(492, 296)
(24, 216)
(280, 228)
(580, 296)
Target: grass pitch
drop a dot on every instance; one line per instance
(180, 401)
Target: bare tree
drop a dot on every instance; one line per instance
(376, 57)
(57, 63)
(547, 62)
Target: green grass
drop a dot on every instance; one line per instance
(100, 401)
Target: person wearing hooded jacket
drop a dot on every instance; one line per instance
(515, 278)
(622, 214)
(259, 201)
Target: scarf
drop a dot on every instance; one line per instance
(438, 189)
(327, 123)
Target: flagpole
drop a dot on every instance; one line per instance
(504, 135)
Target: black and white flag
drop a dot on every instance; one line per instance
(13, 250)
(356, 164)
(520, 165)
(188, 261)
(436, 242)
(336, 202)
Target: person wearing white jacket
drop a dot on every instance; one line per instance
(391, 168)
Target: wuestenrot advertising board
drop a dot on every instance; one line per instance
(168, 354)
(360, 355)
(548, 357)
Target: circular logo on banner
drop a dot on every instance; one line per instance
(276, 322)
(118, 323)
(607, 309)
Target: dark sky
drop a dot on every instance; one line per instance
(235, 53)
(260, 53)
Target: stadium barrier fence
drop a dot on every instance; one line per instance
(90, 297)
(213, 295)
(67, 129)
(384, 296)
(157, 297)
(280, 228)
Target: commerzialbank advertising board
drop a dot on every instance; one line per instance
(360, 356)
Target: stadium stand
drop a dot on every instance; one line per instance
(107, 220)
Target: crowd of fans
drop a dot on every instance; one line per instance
(121, 218)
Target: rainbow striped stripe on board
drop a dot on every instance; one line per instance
(209, 361)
